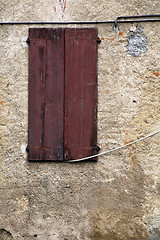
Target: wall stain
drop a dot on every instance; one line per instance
(63, 4)
(147, 115)
(118, 211)
(149, 110)
(121, 33)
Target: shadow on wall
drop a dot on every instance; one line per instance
(118, 211)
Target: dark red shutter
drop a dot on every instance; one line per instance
(46, 94)
(80, 133)
(62, 93)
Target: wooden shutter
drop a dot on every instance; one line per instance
(62, 93)
(80, 133)
(46, 94)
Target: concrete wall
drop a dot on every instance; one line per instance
(117, 198)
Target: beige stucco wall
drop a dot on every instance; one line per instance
(117, 198)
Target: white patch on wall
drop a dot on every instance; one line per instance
(23, 148)
(24, 43)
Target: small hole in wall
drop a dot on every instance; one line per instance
(134, 101)
(35, 235)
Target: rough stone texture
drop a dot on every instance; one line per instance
(4, 235)
(117, 198)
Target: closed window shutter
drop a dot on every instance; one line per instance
(46, 94)
(62, 93)
(80, 134)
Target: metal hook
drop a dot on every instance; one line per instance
(116, 27)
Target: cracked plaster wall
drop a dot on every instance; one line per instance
(117, 198)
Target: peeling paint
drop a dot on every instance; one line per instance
(137, 42)
(156, 74)
(121, 33)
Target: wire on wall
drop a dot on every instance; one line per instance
(119, 19)
(112, 150)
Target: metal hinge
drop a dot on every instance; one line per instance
(98, 40)
(28, 41)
